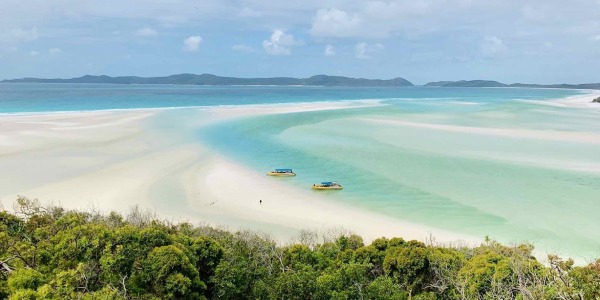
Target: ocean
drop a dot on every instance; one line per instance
(497, 162)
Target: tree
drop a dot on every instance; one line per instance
(587, 280)
(25, 279)
(168, 273)
(408, 264)
(295, 285)
(444, 264)
(351, 242)
(248, 258)
(384, 288)
(488, 276)
(346, 281)
(206, 254)
(50, 253)
(297, 257)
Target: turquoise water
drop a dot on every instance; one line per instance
(481, 169)
(23, 98)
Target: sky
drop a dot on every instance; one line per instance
(529, 41)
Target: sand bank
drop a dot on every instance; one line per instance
(113, 160)
(552, 135)
(579, 101)
(231, 191)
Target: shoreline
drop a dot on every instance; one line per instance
(113, 160)
(579, 101)
(299, 209)
(200, 107)
(117, 159)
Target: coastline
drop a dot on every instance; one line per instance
(113, 160)
(579, 101)
(151, 158)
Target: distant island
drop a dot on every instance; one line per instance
(210, 79)
(492, 83)
(317, 80)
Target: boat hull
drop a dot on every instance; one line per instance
(326, 188)
(281, 174)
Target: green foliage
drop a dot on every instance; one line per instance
(50, 253)
(25, 279)
(408, 264)
(25, 294)
(298, 256)
(169, 274)
(351, 242)
(486, 273)
(383, 287)
(444, 265)
(208, 254)
(587, 280)
(247, 259)
(301, 284)
(347, 281)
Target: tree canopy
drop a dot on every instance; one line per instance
(53, 253)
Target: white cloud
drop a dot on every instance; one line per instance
(60, 12)
(11, 39)
(242, 48)
(596, 38)
(493, 46)
(192, 43)
(25, 34)
(54, 51)
(33, 53)
(249, 13)
(329, 50)
(365, 51)
(280, 43)
(146, 32)
(376, 19)
(8, 48)
(360, 50)
(533, 14)
(336, 23)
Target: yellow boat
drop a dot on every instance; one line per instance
(327, 185)
(282, 172)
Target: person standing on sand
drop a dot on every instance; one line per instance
(260, 201)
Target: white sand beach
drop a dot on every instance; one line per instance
(553, 135)
(113, 160)
(580, 101)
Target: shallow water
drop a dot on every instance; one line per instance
(475, 161)
(506, 182)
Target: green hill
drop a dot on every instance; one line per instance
(438, 83)
(491, 83)
(209, 79)
(474, 83)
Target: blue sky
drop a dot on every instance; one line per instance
(530, 41)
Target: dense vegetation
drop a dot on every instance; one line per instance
(51, 253)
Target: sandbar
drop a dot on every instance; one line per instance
(114, 160)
